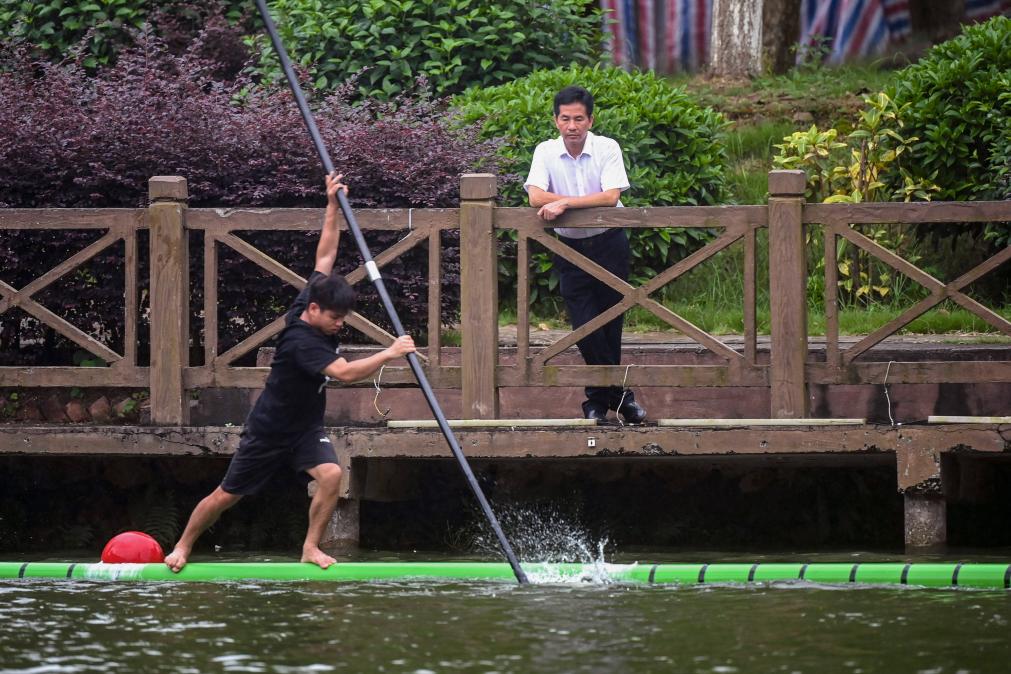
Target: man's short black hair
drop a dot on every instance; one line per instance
(332, 293)
(574, 94)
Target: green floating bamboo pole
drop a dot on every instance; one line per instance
(925, 575)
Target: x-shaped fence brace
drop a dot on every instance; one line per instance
(11, 297)
(939, 291)
(638, 296)
(355, 320)
(840, 224)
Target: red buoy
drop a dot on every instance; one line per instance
(132, 547)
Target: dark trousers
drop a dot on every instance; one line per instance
(586, 298)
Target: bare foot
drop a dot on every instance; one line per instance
(176, 560)
(316, 556)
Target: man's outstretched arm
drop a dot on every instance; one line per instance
(330, 235)
(355, 370)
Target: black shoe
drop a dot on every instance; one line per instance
(598, 414)
(632, 412)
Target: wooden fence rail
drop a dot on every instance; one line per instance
(480, 373)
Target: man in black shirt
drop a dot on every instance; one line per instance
(285, 427)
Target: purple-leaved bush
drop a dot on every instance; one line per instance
(71, 140)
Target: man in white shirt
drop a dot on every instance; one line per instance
(582, 170)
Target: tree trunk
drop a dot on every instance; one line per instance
(780, 33)
(736, 44)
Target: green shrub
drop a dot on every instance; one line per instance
(673, 148)
(959, 105)
(55, 27)
(453, 43)
(957, 110)
(1000, 161)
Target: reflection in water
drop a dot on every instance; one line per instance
(59, 626)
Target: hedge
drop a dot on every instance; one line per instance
(98, 29)
(453, 43)
(959, 106)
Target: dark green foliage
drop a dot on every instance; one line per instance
(1000, 162)
(454, 43)
(673, 147)
(100, 28)
(54, 26)
(959, 98)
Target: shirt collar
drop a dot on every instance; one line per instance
(587, 146)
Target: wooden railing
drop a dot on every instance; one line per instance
(175, 375)
(841, 365)
(738, 225)
(117, 224)
(218, 226)
(480, 373)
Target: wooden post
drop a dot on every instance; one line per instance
(788, 295)
(478, 296)
(169, 299)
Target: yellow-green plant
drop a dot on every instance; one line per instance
(875, 147)
(817, 153)
(850, 172)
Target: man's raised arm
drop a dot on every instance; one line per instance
(329, 236)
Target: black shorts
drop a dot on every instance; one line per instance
(258, 459)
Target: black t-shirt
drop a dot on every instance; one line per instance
(293, 400)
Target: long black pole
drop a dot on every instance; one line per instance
(377, 280)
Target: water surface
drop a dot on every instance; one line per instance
(414, 626)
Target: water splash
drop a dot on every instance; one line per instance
(559, 549)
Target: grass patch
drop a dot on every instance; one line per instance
(756, 141)
(716, 320)
(830, 95)
(942, 320)
(749, 159)
(748, 181)
(723, 319)
(451, 337)
(828, 82)
(766, 109)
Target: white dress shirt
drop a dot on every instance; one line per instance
(598, 168)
